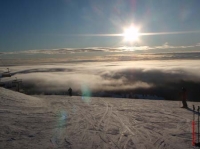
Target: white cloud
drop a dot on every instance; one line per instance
(112, 76)
(163, 47)
(198, 44)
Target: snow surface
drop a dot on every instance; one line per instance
(48, 122)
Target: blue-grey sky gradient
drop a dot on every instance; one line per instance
(48, 24)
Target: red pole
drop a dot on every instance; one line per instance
(193, 128)
(193, 133)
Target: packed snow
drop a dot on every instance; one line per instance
(48, 122)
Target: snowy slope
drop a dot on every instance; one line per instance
(76, 122)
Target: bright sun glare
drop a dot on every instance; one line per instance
(131, 34)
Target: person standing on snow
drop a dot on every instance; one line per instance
(184, 97)
(70, 91)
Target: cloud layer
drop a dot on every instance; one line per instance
(160, 48)
(161, 78)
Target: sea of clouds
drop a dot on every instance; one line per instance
(163, 78)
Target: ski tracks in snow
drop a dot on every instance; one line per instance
(97, 125)
(121, 124)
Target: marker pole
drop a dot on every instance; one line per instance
(193, 127)
(198, 124)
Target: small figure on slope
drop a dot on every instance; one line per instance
(184, 97)
(70, 91)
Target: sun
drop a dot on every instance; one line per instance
(131, 34)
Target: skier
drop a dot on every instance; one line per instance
(70, 91)
(184, 97)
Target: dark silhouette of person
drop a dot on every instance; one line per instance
(70, 91)
(184, 97)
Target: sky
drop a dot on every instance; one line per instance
(61, 24)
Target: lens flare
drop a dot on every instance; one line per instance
(86, 93)
(60, 128)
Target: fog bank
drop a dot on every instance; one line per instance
(160, 78)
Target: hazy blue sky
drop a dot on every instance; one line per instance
(48, 24)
